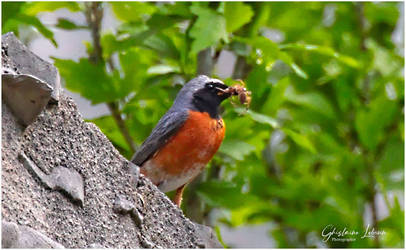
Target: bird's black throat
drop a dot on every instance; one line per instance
(212, 108)
(208, 100)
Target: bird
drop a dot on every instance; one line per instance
(186, 138)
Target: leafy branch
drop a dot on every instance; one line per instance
(94, 16)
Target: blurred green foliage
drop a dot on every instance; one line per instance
(324, 134)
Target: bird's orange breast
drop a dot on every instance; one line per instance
(188, 151)
(196, 142)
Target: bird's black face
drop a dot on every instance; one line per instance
(203, 94)
(209, 95)
(212, 92)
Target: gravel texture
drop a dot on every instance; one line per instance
(119, 210)
(64, 184)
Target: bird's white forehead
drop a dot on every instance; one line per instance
(215, 80)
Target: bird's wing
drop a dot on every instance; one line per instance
(167, 126)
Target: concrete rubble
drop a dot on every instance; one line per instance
(63, 182)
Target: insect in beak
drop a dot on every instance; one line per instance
(239, 90)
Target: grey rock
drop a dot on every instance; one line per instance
(14, 236)
(148, 244)
(135, 173)
(57, 150)
(29, 82)
(67, 180)
(70, 181)
(60, 137)
(95, 245)
(137, 217)
(122, 205)
(26, 95)
(9, 234)
(18, 58)
(207, 237)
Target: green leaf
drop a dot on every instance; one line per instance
(162, 69)
(345, 93)
(395, 222)
(276, 99)
(147, 38)
(110, 44)
(298, 70)
(176, 8)
(223, 194)
(134, 66)
(261, 118)
(389, 171)
(347, 60)
(68, 25)
(300, 140)
(35, 22)
(164, 45)
(385, 61)
(256, 211)
(377, 12)
(14, 15)
(393, 156)
(10, 10)
(312, 100)
(371, 123)
(12, 25)
(208, 29)
(218, 234)
(90, 80)
(236, 149)
(160, 22)
(237, 14)
(34, 8)
(132, 11)
(269, 52)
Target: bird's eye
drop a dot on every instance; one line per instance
(210, 86)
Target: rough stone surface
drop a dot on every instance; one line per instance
(17, 58)
(122, 205)
(207, 237)
(58, 159)
(59, 138)
(14, 236)
(66, 180)
(9, 234)
(26, 95)
(29, 82)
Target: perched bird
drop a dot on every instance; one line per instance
(185, 138)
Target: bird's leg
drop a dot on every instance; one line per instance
(178, 196)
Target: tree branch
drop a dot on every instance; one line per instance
(241, 68)
(370, 161)
(94, 16)
(205, 62)
(115, 112)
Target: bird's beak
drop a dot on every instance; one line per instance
(221, 87)
(223, 90)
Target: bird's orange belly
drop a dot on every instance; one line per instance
(186, 153)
